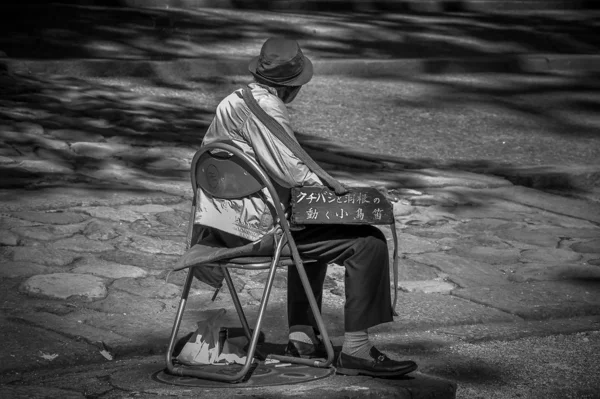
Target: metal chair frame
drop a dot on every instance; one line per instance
(255, 180)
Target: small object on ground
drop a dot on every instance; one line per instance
(48, 356)
(106, 354)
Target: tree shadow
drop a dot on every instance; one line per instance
(113, 115)
(71, 130)
(565, 104)
(51, 31)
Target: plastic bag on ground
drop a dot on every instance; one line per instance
(204, 346)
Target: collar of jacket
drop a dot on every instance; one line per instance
(270, 89)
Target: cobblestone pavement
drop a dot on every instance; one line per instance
(93, 219)
(94, 203)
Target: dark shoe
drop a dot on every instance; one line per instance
(378, 366)
(306, 351)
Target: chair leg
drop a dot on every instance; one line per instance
(265, 297)
(320, 324)
(184, 296)
(237, 304)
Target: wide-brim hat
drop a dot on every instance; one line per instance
(281, 62)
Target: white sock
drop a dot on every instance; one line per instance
(357, 344)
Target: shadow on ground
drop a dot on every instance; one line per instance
(110, 31)
(60, 130)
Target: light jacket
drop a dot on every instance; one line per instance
(250, 218)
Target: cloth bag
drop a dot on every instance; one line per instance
(210, 345)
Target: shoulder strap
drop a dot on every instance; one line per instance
(278, 131)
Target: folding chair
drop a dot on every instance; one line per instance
(239, 176)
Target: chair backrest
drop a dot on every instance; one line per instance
(224, 174)
(225, 171)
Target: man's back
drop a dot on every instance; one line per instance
(235, 122)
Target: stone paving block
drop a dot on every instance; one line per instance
(473, 243)
(6, 160)
(8, 151)
(55, 155)
(409, 270)
(156, 229)
(8, 238)
(65, 286)
(418, 310)
(403, 208)
(409, 244)
(147, 208)
(572, 207)
(128, 304)
(100, 230)
(99, 150)
(176, 219)
(539, 300)
(445, 231)
(58, 217)
(149, 287)
(51, 144)
(587, 247)
(49, 232)
(490, 255)
(178, 185)
(572, 232)
(140, 154)
(51, 198)
(527, 236)
(158, 246)
(457, 179)
(112, 270)
(183, 206)
(521, 273)
(110, 213)
(25, 136)
(461, 271)
(549, 255)
(144, 260)
(487, 225)
(7, 223)
(22, 269)
(80, 243)
(11, 391)
(168, 164)
(427, 218)
(44, 166)
(75, 135)
(427, 286)
(43, 255)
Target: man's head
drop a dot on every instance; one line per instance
(282, 65)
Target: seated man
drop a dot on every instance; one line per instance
(279, 72)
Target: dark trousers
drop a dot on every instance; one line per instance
(362, 250)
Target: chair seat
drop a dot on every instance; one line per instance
(255, 262)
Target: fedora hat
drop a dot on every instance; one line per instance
(281, 63)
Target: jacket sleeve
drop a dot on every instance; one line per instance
(281, 164)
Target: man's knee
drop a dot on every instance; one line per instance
(375, 244)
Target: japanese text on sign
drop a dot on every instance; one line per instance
(319, 205)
